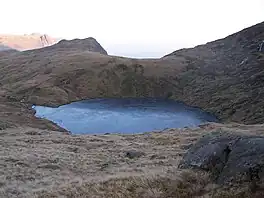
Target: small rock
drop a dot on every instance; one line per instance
(133, 154)
(73, 149)
(32, 133)
(104, 166)
(186, 146)
(152, 157)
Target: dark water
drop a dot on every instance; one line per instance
(99, 116)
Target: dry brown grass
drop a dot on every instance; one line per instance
(176, 184)
(52, 76)
(171, 184)
(34, 159)
(44, 163)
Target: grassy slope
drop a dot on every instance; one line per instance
(57, 76)
(51, 164)
(224, 77)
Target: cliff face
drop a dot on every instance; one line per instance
(27, 42)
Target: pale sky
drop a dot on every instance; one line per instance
(134, 28)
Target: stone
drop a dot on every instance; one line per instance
(186, 146)
(229, 157)
(245, 162)
(133, 154)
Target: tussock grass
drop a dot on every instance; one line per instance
(176, 184)
(179, 185)
(41, 163)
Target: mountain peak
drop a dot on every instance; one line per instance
(89, 44)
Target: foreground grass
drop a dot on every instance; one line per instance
(41, 163)
(185, 184)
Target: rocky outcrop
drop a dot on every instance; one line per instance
(88, 44)
(230, 157)
(27, 42)
(45, 40)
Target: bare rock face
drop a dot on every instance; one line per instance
(231, 158)
(45, 40)
(27, 42)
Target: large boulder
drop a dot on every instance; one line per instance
(230, 157)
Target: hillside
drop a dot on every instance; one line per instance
(227, 71)
(40, 159)
(226, 76)
(69, 71)
(4, 48)
(27, 42)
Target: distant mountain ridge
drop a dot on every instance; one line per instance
(38, 41)
(4, 48)
(27, 41)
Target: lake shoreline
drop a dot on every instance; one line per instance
(146, 108)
